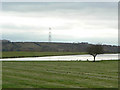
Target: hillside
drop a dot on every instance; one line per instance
(52, 47)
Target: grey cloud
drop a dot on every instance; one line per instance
(93, 15)
(50, 6)
(21, 36)
(24, 27)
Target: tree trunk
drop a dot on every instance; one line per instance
(94, 58)
(94, 55)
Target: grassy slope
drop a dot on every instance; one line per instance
(60, 74)
(36, 54)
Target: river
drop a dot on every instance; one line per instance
(66, 58)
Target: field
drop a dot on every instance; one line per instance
(60, 74)
(17, 54)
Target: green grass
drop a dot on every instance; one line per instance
(13, 54)
(60, 74)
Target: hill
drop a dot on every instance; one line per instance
(52, 47)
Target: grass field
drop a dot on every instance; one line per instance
(60, 74)
(17, 54)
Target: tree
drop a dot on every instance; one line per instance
(94, 50)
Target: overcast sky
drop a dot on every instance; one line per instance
(70, 22)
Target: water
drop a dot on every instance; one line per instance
(66, 58)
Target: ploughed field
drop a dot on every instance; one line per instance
(60, 74)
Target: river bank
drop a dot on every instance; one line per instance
(21, 54)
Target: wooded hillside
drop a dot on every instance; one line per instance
(52, 47)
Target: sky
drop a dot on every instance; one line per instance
(69, 22)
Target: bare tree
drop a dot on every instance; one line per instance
(94, 50)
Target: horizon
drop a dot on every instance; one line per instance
(93, 22)
(61, 42)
